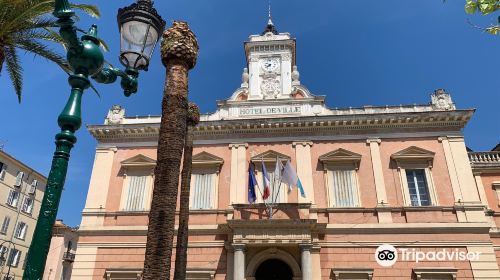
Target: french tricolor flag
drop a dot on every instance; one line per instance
(267, 182)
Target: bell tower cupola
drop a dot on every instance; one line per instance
(271, 60)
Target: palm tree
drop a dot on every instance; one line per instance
(187, 164)
(179, 50)
(26, 25)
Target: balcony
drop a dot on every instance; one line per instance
(485, 161)
(68, 257)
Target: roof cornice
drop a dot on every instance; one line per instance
(453, 120)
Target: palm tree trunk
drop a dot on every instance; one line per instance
(187, 164)
(170, 147)
(183, 231)
(179, 51)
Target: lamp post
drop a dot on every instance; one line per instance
(140, 28)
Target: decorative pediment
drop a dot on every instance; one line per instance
(413, 153)
(205, 158)
(139, 161)
(270, 156)
(340, 155)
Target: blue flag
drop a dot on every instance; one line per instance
(252, 182)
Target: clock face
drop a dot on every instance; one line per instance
(270, 64)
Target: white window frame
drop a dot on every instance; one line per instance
(206, 163)
(429, 273)
(428, 178)
(5, 225)
(330, 168)
(147, 189)
(14, 257)
(3, 171)
(340, 159)
(352, 273)
(139, 165)
(283, 188)
(28, 209)
(19, 179)
(214, 172)
(21, 230)
(415, 158)
(32, 188)
(10, 198)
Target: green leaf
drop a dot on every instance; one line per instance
(493, 30)
(470, 7)
(15, 70)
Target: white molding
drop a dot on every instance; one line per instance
(154, 143)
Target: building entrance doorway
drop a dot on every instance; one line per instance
(274, 269)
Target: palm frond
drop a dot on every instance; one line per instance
(40, 49)
(90, 10)
(15, 70)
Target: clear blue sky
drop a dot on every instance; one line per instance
(354, 52)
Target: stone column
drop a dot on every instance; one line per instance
(305, 250)
(237, 190)
(384, 216)
(239, 262)
(304, 169)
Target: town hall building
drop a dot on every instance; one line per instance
(394, 175)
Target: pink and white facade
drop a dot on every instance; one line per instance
(396, 175)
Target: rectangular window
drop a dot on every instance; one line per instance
(14, 257)
(33, 185)
(343, 188)
(13, 198)
(3, 254)
(278, 189)
(19, 179)
(203, 191)
(417, 187)
(28, 205)
(21, 230)
(5, 225)
(136, 193)
(3, 170)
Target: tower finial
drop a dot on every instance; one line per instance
(270, 18)
(270, 25)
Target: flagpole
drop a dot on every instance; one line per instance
(278, 160)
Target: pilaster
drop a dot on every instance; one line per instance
(378, 174)
(239, 261)
(468, 203)
(305, 253)
(238, 172)
(485, 267)
(304, 169)
(98, 187)
(85, 262)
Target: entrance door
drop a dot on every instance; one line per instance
(274, 269)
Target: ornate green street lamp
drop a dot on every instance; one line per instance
(140, 28)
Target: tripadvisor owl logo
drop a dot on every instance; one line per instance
(386, 255)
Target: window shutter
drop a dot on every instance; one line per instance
(3, 171)
(33, 186)
(136, 193)
(5, 224)
(343, 188)
(19, 179)
(203, 192)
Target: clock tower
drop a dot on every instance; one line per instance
(271, 60)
